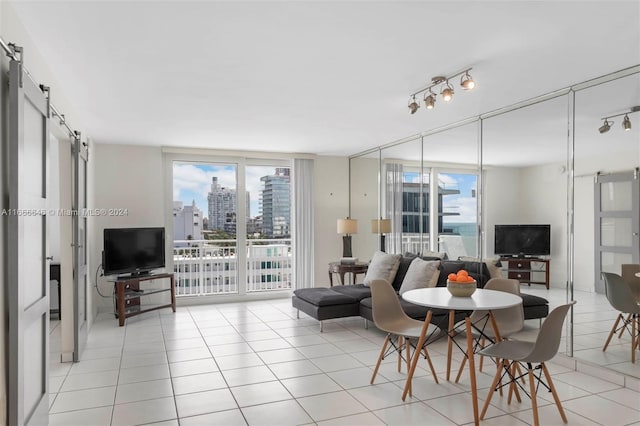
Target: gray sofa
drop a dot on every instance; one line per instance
(355, 300)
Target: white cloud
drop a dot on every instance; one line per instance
(467, 207)
(191, 178)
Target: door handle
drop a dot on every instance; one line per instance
(49, 257)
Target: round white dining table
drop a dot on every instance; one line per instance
(439, 297)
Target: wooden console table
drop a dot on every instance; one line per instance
(522, 270)
(344, 268)
(128, 294)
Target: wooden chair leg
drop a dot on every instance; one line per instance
(554, 393)
(384, 348)
(515, 369)
(408, 349)
(492, 389)
(462, 364)
(482, 343)
(433, 370)
(414, 360)
(613, 330)
(623, 328)
(534, 402)
(400, 343)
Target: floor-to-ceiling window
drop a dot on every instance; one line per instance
(231, 226)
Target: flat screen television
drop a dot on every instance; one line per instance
(134, 251)
(522, 240)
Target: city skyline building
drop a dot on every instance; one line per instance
(187, 221)
(275, 204)
(222, 203)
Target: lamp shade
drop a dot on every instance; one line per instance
(380, 226)
(347, 226)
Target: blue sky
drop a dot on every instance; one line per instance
(192, 182)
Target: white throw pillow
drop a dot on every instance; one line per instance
(421, 274)
(383, 266)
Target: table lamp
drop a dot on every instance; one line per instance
(347, 226)
(381, 226)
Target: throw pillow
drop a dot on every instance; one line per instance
(383, 266)
(421, 274)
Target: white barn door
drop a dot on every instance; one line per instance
(28, 256)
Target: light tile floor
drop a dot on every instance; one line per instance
(255, 363)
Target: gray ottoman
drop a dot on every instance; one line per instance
(324, 303)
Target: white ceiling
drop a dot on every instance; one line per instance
(327, 77)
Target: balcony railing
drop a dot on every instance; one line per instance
(208, 267)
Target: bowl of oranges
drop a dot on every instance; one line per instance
(460, 284)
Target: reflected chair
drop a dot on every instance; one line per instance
(622, 299)
(509, 320)
(526, 354)
(629, 276)
(403, 332)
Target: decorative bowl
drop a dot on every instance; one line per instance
(458, 289)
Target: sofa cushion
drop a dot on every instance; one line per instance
(493, 265)
(421, 274)
(321, 296)
(435, 254)
(477, 270)
(358, 291)
(383, 266)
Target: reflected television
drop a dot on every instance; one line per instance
(522, 240)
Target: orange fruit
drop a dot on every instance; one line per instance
(463, 272)
(452, 277)
(470, 279)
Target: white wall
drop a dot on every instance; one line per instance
(543, 200)
(331, 202)
(364, 206)
(125, 177)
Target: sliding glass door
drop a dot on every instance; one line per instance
(231, 227)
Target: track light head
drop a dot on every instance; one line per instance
(605, 127)
(413, 105)
(467, 82)
(447, 92)
(430, 100)
(626, 123)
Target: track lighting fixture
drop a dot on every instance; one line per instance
(626, 122)
(430, 100)
(467, 82)
(605, 127)
(413, 105)
(446, 90)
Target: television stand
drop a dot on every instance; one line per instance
(129, 294)
(525, 269)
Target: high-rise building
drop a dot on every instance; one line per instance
(222, 205)
(187, 222)
(275, 203)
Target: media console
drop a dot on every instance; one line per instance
(129, 293)
(526, 269)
